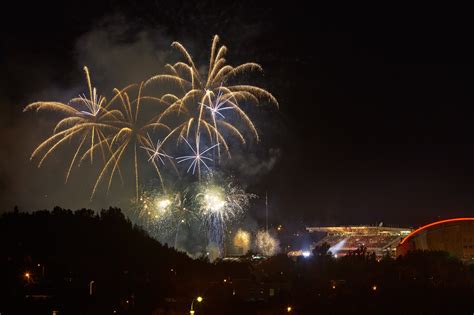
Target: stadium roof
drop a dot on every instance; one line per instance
(424, 227)
(359, 229)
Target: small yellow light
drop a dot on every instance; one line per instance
(288, 309)
(27, 275)
(199, 299)
(374, 288)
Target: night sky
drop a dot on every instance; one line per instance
(376, 103)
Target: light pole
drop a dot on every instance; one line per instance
(199, 299)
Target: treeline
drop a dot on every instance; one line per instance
(58, 253)
(421, 282)
(84, 262)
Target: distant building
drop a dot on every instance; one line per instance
(344, 239)
(455, 236)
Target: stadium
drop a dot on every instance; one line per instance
(344, 239)
(455, 236)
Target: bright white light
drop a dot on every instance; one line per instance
(306, 254)
(214, 201)
(336, 248)
(163, 203)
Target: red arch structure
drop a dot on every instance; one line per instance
(433, 224)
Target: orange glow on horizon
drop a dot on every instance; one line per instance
(433, 224)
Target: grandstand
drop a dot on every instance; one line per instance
(344, 239)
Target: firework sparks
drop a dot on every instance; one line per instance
(131, 132)
(213, 92)
(155, 151)
(197, 158)
(217, 107)
(92, 123)
(242, 240)
(266, 244)
(208, 109)
(221, 205)
(167, 215)
(214, 201)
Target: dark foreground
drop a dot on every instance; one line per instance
(82, 263)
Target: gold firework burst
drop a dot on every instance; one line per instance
(131, 132)
(207, 96)
(87, 119)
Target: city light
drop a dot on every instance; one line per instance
(199, 299)
(289, 309)
(306, 253)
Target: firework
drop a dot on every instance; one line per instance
(242, 240)
(201, 116)
(87, 119)
(197, 158)
(111, 131)
(220, 206)
(206, 96)
(155, 151)
(266, 244)
(222, 202)
(130, 133)
(163, 214)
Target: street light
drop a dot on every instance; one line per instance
(289, 309)
(199, 299)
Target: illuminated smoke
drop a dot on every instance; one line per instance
(336, 248)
